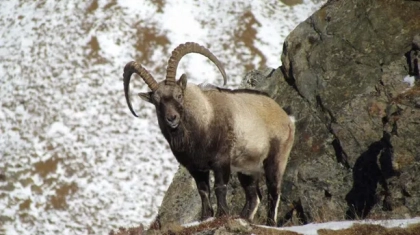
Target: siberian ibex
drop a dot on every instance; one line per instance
(222, 130)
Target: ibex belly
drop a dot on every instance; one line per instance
(248, 154)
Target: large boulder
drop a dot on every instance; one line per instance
(348, 62)
(357, 150)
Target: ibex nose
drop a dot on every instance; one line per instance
(171, 118)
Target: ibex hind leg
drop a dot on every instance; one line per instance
(203, 185)
(252, 195)
(274, 167)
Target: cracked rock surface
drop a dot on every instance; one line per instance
(357, 146)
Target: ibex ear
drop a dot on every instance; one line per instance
(182, 82)
(146, 96)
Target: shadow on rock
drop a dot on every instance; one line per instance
(367, 173)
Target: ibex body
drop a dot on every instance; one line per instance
(210, 128)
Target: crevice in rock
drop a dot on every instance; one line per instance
(313, 25)
(289, 78)
(374, 30)
(413, 61)
(327, 194)
(2, 177)
(270, 74)
(328, 117)
(351, 45)
(340, 155)
(296, 212)
(389, 121)
(156, 224)
(300, 213)
(288, 216)
(385, 120)
(288, 109)
(405, 193)
(387, 203)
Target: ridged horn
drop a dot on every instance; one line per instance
(129, 69)
(183, 49)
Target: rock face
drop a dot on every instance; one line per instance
(357, 147)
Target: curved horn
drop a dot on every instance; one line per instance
(183, 49)
(129, 69)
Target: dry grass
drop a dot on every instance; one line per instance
(408, 95)
(229, 225)
(173, 229)
(130, 231)
(271, 231)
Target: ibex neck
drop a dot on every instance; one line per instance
(198, 105)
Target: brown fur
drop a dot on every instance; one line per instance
(224, 130)
(221, 130)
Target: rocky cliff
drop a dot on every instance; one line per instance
(350, 75)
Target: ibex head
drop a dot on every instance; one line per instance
(168, 95)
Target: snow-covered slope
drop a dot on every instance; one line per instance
(312, 229)
(74, 158)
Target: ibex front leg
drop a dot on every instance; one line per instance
(203, 185)
(221, 179)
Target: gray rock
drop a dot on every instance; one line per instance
(181, 203)
(349, 66)
(416, 42)
(357, 147)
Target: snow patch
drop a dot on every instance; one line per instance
(58, 128)
(409, 80)
(292, 119)
(312, 229)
